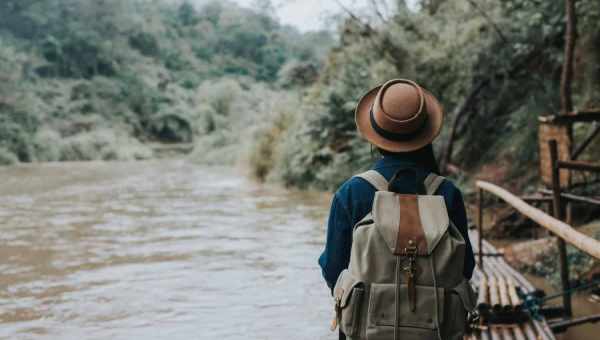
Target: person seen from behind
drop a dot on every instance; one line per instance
(397, 255)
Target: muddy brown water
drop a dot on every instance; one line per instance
(582, 305)
(162, 250)
(157, 250)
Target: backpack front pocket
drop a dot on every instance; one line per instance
(460, 300)
(422, 323)
(349, 295)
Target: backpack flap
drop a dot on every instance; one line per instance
(434, 219)
(408, 220)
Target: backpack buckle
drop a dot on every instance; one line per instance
(411, 250)
(411, 269)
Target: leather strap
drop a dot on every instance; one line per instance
(432, 183)
(410, 229)
(375, 179)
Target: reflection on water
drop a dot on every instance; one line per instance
(157, 250)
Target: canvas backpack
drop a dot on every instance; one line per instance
(405, 278)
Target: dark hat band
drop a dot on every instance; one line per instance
(395, 136)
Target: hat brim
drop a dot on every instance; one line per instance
(432, 128)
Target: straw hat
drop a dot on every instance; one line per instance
(399, 116)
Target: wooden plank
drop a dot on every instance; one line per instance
(532, 199)
(558, 213)
(562, 134)
(561, 326)
(579, 165)
(561, 229)
(591, 116)
(573, 197)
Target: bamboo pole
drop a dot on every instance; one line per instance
(506, 333)
(514, 296)
(495, 334)
(561, 229)
(482, 297)
(503, 291)
(529, 331)
(480, 226)
(519, 335)
(497, 268)
(494, 296)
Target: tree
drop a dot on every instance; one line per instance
(566, 100)
(187, 14)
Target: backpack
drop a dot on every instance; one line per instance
(405, 278)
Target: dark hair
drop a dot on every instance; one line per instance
(424, 157)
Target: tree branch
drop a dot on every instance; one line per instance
(378, 12)
(566, 100)
(458, 114)
(465, 107)
(489, 19)
(354, 16)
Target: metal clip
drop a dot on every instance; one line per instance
(338, 313)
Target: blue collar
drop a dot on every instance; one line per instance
(394, 161)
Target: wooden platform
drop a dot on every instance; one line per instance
(497, 285)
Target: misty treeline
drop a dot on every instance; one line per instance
(83, 80)
(100, 79)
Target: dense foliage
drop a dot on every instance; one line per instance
(495, 64)
(99, 79)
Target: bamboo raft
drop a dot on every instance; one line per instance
(504, 316)
(497, 285)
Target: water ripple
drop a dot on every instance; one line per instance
(157, 250)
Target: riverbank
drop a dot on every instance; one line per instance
(91, 81)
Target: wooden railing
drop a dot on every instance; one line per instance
(554, 224)
(566, 232)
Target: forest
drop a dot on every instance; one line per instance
(256, 118)
(105, 79)
(87, 80)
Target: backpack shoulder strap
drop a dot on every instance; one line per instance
(375, 179)
(432, 183)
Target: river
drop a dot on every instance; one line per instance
(163, 249)
(160, 249)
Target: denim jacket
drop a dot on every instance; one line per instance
(353, 201)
